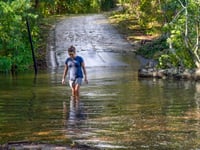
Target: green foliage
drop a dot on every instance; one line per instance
(146, 16)
(179, 20)
(84, 6)
(167, 61)
(150, 50)
(5, 64)
(14, 45)
(147, 12)
(49, 7)
(15, 52)
(180, 58)
(107, 4)
(182, 30)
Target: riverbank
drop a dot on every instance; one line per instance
(128, 27)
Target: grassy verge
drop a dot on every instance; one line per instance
(147, 42)
(127, 25)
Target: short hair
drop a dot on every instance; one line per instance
(71, 49)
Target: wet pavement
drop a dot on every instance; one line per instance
(93, 37)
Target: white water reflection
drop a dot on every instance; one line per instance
(53, 60)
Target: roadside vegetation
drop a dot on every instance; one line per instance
(15, 49)
(165, 30)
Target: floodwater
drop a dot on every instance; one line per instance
(117, 110)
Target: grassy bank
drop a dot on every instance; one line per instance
(128, 26)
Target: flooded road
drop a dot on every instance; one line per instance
(117, 110)
(93, 37)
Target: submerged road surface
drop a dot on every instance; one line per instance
(94, 38)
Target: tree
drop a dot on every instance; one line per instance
(183, 32)
(15, 50)
(107, 4)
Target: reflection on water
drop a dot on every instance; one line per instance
(116, 111)
(75, 119)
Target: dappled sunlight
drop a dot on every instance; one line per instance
(50, 136)
(43, 133)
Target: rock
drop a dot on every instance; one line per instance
(160, 74)
(187, 74)
(197, 74)
(174, 73)
(144, 73)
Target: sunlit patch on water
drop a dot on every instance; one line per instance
(101, 144)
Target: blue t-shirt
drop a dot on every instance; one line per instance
(74, 67)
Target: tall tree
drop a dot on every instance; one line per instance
(14, 45)
(184, 33)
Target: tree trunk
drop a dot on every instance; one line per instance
(36, 4)
(197, 61)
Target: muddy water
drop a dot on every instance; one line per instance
(116, 109)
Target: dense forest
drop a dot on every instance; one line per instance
(176, 22)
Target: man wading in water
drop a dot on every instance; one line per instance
(74, 66)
